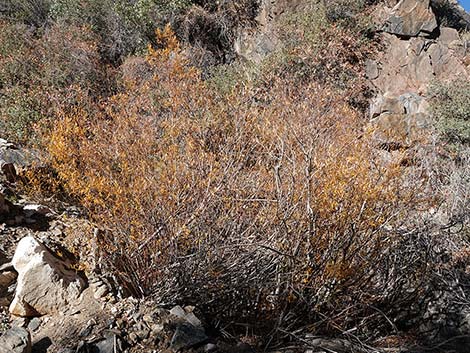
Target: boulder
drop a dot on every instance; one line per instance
(407, 103)
(15, 340)
(411, 18)
(395, 131)
(411, 65)
(45, 284)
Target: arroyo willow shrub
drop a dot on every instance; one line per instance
(245, 203)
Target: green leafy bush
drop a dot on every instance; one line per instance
(451, 108)
(31, 12)
(44, 71)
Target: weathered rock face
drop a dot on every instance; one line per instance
(402, 74)
(15, 340)
(411, 65)
(399, 120)
(45, 285)
(255, 44)
(410, 18)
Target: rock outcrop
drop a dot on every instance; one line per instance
(14, 159)
(418, 52)
(45, 285)
(256, 43)
(411, 18)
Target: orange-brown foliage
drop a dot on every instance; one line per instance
(258, 199)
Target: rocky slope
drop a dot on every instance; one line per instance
(50, 302)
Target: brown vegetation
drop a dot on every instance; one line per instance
(258, 193)
(273, 202)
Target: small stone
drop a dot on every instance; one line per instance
(178, 311)
(193, 320)
(34, 324)
(143, 334)
(210, 347)
(111, 323)
(157, 328)
(31, 210)
(100, 292)
(140, 326)
(15, 340)
(187, 336)
(147, 318)
(86, 332)
(56, 232)
(189, 308)
(7, 278)
(133, 338)
(19, 322)
(95, 281)
(108, 345)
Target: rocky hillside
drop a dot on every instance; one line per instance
(220, 176)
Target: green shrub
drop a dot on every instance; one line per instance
(42, 72)
(450, 106)
(31, 12)
(19, 111)
(124, 26)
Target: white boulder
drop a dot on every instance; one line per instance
(45, 285)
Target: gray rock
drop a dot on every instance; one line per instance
(143, 334)
(187, 336)
(111, 343)
(372, 69)
(101, 291)
(412, 65)
(157, 328)
(133, 338)
(34, 324)
(178, 311)
(410, 18)
(45, 285)
(189, 317)
(19, 322)
(108, 345)
(15, 340)
(210, 347)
